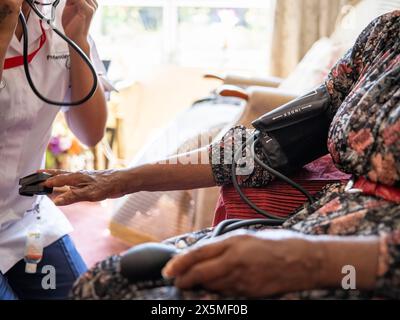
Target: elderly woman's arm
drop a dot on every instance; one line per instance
(198, 169)
(271, 263)
(171, 174)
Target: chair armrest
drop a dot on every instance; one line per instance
(233, 91)
(263, 100)
(237, 80)
(260, 100)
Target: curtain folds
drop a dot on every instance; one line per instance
(298, 25)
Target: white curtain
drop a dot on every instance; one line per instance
(298, 25)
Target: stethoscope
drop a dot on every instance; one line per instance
(53, 6)
(50, 21)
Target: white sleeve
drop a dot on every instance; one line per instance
(101, 73)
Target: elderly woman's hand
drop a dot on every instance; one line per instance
(249, 265)
(86, 185)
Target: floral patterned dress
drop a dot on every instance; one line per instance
(364, 140)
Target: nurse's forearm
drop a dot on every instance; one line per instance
(88, 121)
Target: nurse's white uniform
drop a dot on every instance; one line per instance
(25, 129)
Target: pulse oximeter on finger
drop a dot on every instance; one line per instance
(33, 185)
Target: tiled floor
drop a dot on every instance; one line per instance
(91, 235)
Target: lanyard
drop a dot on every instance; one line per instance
(19, 61)
(34, 241)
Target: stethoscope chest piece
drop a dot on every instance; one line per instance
(2, 84)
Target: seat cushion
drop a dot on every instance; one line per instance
(314, 67)
(278, 197)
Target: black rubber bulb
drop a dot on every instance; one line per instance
(145, 262)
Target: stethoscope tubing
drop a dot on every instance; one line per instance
(71, 43)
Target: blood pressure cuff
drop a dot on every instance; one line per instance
(296, 133)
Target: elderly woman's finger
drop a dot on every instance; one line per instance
(181, 263)
(53, 172)
(59, 191)
(204, 272)
(68, 179)
(70, 197)
(225, 284)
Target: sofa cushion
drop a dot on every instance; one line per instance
(314, 67)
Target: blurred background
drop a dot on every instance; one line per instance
(227, 35)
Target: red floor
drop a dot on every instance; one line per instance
(91, 235)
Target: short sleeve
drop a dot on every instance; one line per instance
(100, 68)
(101, 73)
(221, 156)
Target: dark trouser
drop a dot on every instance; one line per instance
(60, 259)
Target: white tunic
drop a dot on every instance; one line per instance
(25, 129)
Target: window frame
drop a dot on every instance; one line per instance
(192, 3)
(171, 13)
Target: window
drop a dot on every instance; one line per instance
(213, 34)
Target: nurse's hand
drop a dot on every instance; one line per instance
(9, 10)
(90, 186)
(76, 19)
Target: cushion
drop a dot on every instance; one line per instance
(314, 67)
(278, 197)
